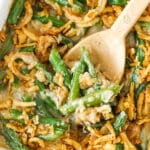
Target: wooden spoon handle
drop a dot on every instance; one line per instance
(129, 16)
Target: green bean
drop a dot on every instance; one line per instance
(65, 40)
(119, 146)
(25, 71)
(145, 25)
(93, 99)
(15, 11)
(87, 60)
(140, 55)
(97, 86)
(58, 132)
(139, 89)
(51, 106)
(11, 136)
(97, 125)
(47, 73)
(128, 62)
(76, 5)
(2, 75)
(26, 97)
(16, 82)
(45, 19)
(120, 121)
(135, 76)
(27, 49)
(40, 85)
(59, 66)
(7, 45)
(138, 40)
(117, 2)
(139, 51)
(15, 114)
(53, 121)
(41, 106)
(82, 1)
(75, 86)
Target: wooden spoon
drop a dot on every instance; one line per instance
(5, 6)
(107, 48)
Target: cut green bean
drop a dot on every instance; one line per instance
(117, 2)
(87, 60)
(138, 40)
(135, 76)
(128, 62)
(139, 51)
(15, 115)
(15, 11)
(11, 136)
(7, 45)
(119, 146)
(139, 89)
(120, 121)
(82, 1)
(59, 66)
(53, 121)
(40, 85)
(97, 125)
(75, 86)
(45, 19)
(51, 106)
(41, 106)
(51, 137)
(46, 71)
(145, 25)
(27, 49)
(76, 5)
(93, 99)
(140, 55)
(16, 82)
(65, 40)
(26, 97)
(2, 75)
(25, 71)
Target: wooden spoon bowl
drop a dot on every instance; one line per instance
(107, 48)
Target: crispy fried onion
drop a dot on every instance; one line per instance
(60, 94)
(73, 143)
(97, 139)
(133, 133)
(2, 35)
(89, 19)
(15, 126)
(18, 103)
(30, 33)
(49, 29)
(92, 3)
(142, 33)
(28, 14)
(36, 142)
(130, 99)
(42, 51)
(127, 144)
(19, 37)
(55, 6)
(91, 115)
(30, 60)
(6, 104)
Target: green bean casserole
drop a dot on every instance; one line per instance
(48, 104)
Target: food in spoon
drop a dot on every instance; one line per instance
(45, 104)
